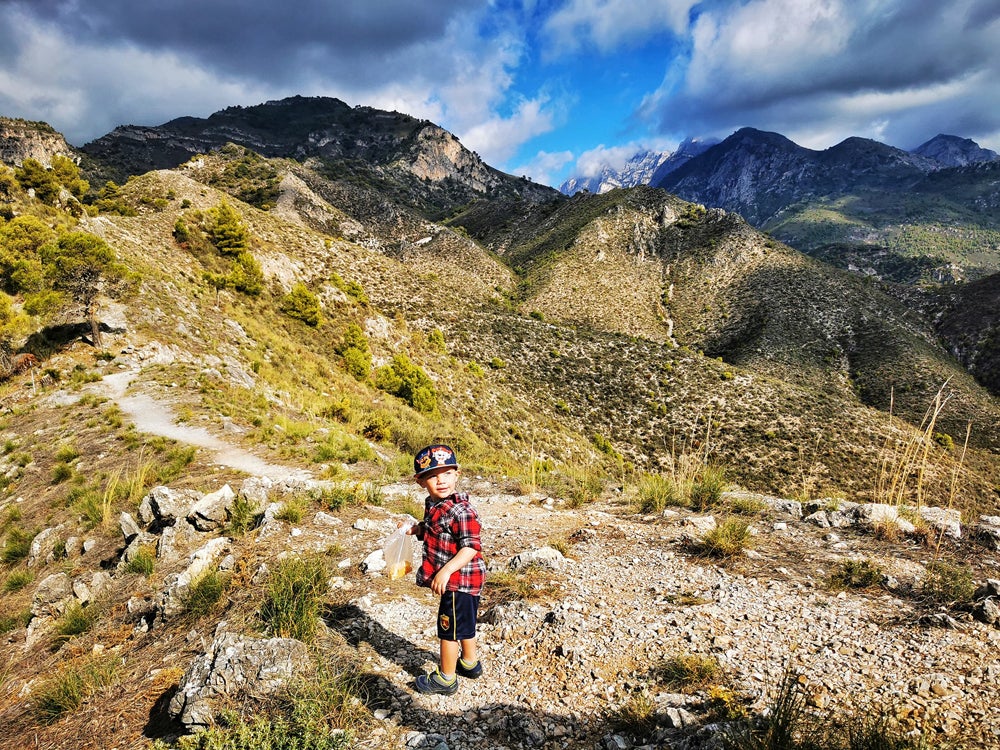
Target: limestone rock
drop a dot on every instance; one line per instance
(52, 596)
(162, 506)
(236, 665)
(210, 512)
(546, 557)
(43, 546)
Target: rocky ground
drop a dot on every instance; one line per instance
(631, 594)
(612, 597)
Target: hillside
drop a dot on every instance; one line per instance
(576, 352)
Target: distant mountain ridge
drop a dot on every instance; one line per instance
(643, 168)
(905, 215)
(423, 164)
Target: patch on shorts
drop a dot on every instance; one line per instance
(444, 622)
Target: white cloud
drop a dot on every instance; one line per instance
(498, 138)
(591, 162)
(607, 24)
(544, 167)
(748, 48)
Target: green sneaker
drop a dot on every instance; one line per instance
(434, 683)
(472, 672)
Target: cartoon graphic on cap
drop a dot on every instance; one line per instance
(434, 457)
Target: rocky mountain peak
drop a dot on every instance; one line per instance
(953, 151)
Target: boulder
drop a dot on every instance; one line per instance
(52, 596)
(43, 546)
(176, 540)
(871, 514)
(235, 665)
(129, 528)
(211, 511)
(545, 557)
(987, 531)
(947, 520)
(162, 506)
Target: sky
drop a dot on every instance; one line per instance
(543, 88)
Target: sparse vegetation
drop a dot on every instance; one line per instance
(71, 686)
(205, 592)
(948, 583)
(687, 671)
(729, 538)
(143, 562)
(857, 573)
(294, 598)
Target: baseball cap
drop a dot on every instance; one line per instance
(436, 456)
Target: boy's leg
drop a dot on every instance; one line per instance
(449, 657)
(469, 653)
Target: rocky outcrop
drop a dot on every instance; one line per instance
(21, 139)
(236, 665)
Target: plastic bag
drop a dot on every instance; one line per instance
(398, 551)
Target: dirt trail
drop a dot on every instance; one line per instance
(157, 418)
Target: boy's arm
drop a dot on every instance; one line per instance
(439, 584)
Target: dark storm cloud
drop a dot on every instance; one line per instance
(266, 40)
(901, 68)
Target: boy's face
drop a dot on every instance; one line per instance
(440, 484)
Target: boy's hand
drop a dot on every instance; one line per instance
(439, 584)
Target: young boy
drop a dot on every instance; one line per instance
(452, 567)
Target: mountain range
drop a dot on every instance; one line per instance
(929, 215)
(330, 287)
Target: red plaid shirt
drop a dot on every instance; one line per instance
(448, 526)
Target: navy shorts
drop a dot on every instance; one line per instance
(457, 616)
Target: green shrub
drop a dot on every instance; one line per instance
(143, 561)
(17, 580)
(171, 466)
(204, 593)
(656, 492)
(293, 509)
(784, 725)
(67, 454)
(435, 340)
(339, 495)
(687, 671)
(636, 716)
(61, 473)
(67, 690)
(241, 516)
(302, 304)
(728, 539)
(75, 620)
(294, 597)
(945, 440)
(274, 733)
(17, 545)
(246, 275)
(948, 583)
(407, 381)
(708, 486)
(856, 574)
(352, 289)
(9, 622)
(225, 229)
